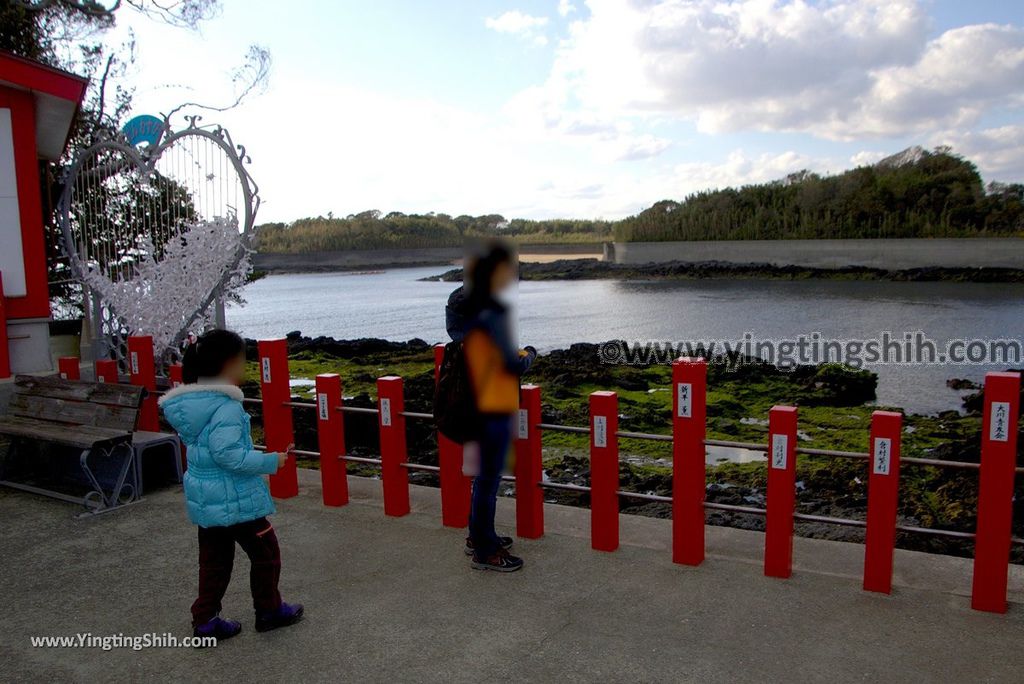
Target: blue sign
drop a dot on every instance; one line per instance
(145, 128)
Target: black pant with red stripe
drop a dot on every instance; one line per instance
(217, 557)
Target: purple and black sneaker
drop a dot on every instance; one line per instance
(287, 614)
(218, 627)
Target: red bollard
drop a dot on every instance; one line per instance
(529, 466)
(393, 455)
(883, 493)
(278, 432)
(456, 488)
(995, 491)
(5, 350)
(331, 435)
(106, 371)
(142, 372)
(177, 380)
(175, 376)
(689, 476)
(604, 471)
(778, 534)
(69, 368)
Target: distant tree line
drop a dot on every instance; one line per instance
(913, 194)
(376, 230)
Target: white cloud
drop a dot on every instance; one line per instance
(840, 70)
(739, 169)
(519, 24)
(565, 7)
(868, 157)
(633, 148)
(998, 152)
(400, 153)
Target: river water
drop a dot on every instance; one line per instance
(396, 305)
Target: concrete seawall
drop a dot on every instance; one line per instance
(382, 258)
(881, 253)
(355, 259)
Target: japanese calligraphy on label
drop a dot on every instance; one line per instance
(684, 400)
(882, 457)
(780, 451)
(600, 431)
(999, 422)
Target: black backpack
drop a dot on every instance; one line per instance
(454, 402)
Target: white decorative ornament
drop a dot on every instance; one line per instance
(167, 296)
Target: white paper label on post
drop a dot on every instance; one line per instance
(600, 431)
(684, 400)
(63, 376)
(101, 378)
(266, 368)
(321, 402)
(135, 362)
(780, 451)
(999, 422)
(883, 456)
(385, 411)
(524, 424)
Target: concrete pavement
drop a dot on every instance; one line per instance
(394, 600)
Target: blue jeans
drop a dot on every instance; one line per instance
(495, 436)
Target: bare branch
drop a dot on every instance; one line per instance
(101, 99)
(181, 13)
(251, 77)
(90, 7)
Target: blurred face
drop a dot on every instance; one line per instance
(234, 370)
(503, 277)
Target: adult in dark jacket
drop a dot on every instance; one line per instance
(476, 316)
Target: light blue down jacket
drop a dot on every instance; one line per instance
(224, 483)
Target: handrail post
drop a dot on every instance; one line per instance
(393, 453)
(142, 373)
(69, 368)
(330, 431)
(781, 500)
(883, 494)
(604, 471)
(529, 465)
(456, 488)
(689, 475)
(995, 492)
(106, 371)
(277, 416)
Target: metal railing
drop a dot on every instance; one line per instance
(657, 498)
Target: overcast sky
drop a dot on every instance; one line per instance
(588, 108)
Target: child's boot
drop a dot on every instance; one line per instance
(286, 614)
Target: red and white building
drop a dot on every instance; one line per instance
(38, 105)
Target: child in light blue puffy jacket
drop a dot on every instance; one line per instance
(226, 493)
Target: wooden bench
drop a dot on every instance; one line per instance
(95, 420)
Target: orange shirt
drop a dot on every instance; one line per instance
(496, 388)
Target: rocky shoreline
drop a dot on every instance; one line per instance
(835, 407)
(592, 269)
